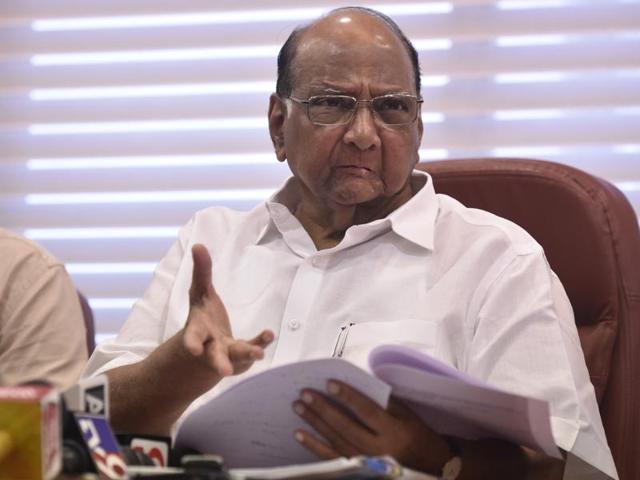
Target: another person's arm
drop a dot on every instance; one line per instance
(186, 365)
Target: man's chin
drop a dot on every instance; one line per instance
(351, 197)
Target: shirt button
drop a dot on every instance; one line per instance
(294, 323)
(316, 262)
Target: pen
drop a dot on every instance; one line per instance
(342, 340)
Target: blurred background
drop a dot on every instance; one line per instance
(120, 119)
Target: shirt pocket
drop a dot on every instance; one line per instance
(362, 338)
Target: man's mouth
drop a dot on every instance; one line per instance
(355, 167)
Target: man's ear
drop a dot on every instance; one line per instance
(420, 132)
(277, 115)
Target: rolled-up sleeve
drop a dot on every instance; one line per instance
(524, 339)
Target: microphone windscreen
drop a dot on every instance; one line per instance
(31, 434)
(102, 446)
(89, 395)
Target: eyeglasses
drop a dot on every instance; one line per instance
(393, 109)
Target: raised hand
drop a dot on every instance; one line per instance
(207, 334)
(186, 365)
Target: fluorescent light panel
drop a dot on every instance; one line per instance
(112, 303)
(231, 159)
(433, 117)
(542, 151)
(530, 77)
(103, 337)
(524, 151)
(175, 20)
(433, 153)
(626, 149)
(432, 44)
(158, 55)
(109, 268)
(539, 114)
(134, 91)
(628, 73)
(84, 128)
(148, 197)
(434, 80)
(228, 17)
(532, 4)
(94, 163)
(426, 8)
(102, 232)
(629, 186)
(631, 110)
(530, 40)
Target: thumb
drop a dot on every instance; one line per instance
(201, 278)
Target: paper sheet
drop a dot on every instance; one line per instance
(252, 424)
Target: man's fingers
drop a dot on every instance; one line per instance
(334, 422)
(321, 449)
(219, 358)
(201, 276)
(244, 352)
(361, 405)
(196, 334)
(263, 339)
(334, 434)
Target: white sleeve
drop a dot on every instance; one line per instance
(145, 327)
(525, 340)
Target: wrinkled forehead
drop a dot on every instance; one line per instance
(352, 47)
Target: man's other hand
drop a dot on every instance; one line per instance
(396, 431)
(368, 429)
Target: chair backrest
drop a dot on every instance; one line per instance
(590, 235)
(87, 315)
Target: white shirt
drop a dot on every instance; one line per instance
(467, 287)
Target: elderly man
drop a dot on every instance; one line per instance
(356, 239)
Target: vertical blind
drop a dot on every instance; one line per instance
(120, 119)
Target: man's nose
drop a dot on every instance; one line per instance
(362, 131)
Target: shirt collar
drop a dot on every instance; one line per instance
(281, 206)
(414, 220)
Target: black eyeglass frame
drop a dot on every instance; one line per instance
(307, 102)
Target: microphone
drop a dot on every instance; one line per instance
(89, 443)
(29, 432)
(98, 438)
(89, 395)
(154, 447)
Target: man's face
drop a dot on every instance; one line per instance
(364, 161)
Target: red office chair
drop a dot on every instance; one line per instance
(590, 235)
